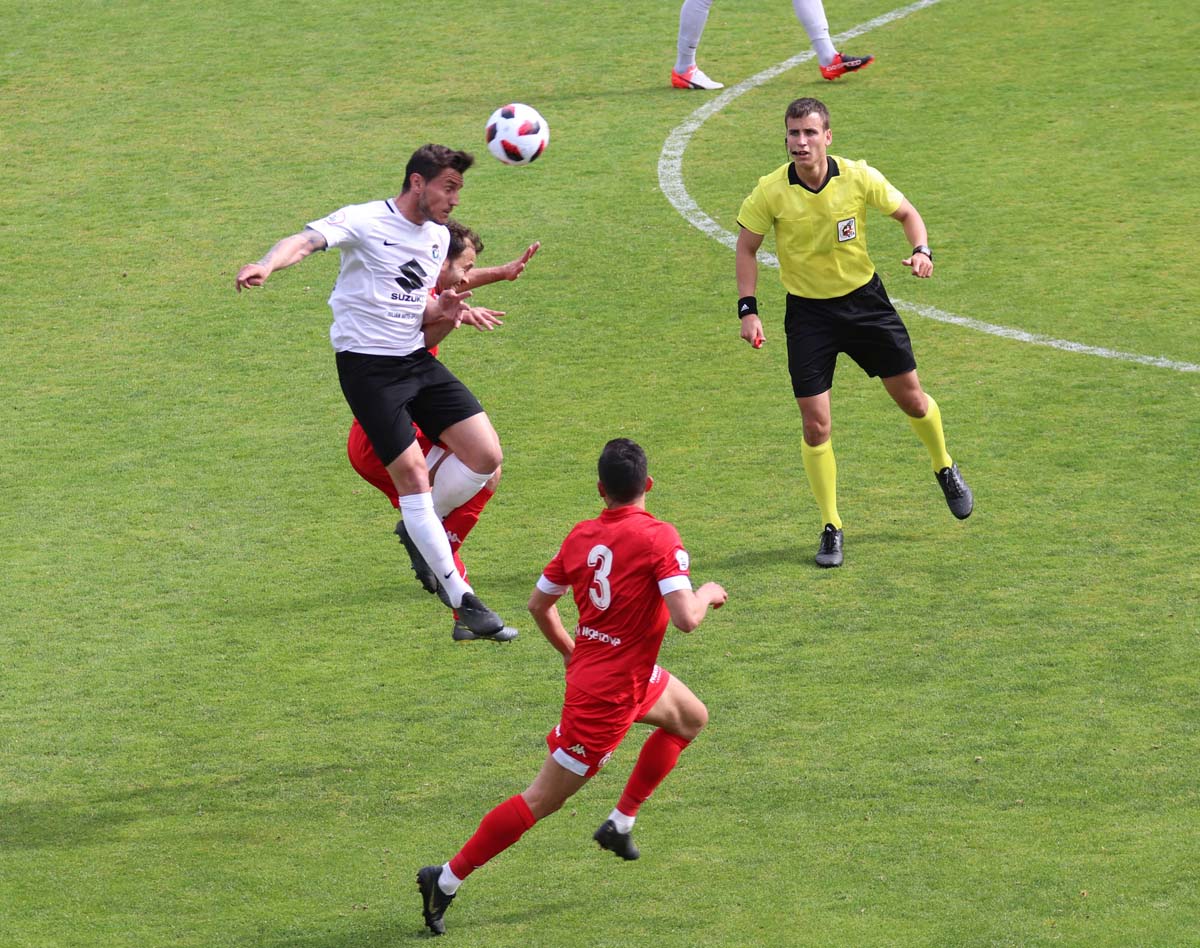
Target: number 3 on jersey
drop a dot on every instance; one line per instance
(600, 558)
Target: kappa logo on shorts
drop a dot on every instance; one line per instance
(578, 749)
(847, 229)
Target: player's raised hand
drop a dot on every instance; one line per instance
(252, 274)
(515, 268)
(451, 303)
(483, 319)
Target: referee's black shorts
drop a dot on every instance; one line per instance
(863, 324)
(388, 393)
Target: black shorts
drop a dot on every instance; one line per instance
(388, 393)
(863, 324)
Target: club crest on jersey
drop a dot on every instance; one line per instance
(336, 217)
(847, 229)
(681, 557)
(436, 251)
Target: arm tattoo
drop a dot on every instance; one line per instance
(312, 239)
(316, 240)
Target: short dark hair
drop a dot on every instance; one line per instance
(460, 236)
(802, 107)
(622, 470)
(431, 160)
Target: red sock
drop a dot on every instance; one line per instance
(502, 827)
(461, 520)
(657, 759)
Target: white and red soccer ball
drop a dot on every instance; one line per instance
(517, 134)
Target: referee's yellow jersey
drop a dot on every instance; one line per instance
(820, 236)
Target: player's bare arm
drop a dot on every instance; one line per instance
(748, 243)
(918, 236)
(481, 276)
(689, 607)
(286, 252)
(544, 609)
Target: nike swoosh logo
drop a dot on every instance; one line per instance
(448, 575)
(389, 243)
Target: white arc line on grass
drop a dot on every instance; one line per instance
(670, 182)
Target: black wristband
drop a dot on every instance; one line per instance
(923, 248)
(747, 306)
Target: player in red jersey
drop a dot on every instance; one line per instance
(629, 574)
(460, 273)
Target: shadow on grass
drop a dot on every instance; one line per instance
(407, 927)
(65, 824)
(803, 552)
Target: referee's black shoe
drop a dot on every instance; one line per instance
(425, 574)
(479, 618)
(620, 843)
(434, 901)
(829, 553)
(959, 498)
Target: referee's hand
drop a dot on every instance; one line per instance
(921, 265)
(752, 330)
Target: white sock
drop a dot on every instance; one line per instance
(448, 882)
(811, 14)
(425, 528)
(692, 17)
(623, 823)
(455, 484)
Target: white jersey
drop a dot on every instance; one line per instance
(389, 264)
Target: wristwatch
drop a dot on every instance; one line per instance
(924, 248)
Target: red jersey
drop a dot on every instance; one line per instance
(620, 566)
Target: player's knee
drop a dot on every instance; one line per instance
(694, 718)
(493, 481)
(540, 804)
(485, 458)
(817, 430)
(408, 476)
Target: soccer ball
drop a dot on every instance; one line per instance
(517, 134)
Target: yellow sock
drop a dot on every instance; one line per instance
(929, 430)
(821, 468)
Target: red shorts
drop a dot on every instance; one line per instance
(591, 729)
(364, 460)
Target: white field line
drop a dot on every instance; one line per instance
(670, 181)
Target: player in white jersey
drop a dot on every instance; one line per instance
(391, 254)
(811, 14)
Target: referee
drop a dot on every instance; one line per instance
(836, 302)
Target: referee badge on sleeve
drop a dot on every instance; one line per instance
(847, 229)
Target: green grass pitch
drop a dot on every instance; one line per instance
(229, 717)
